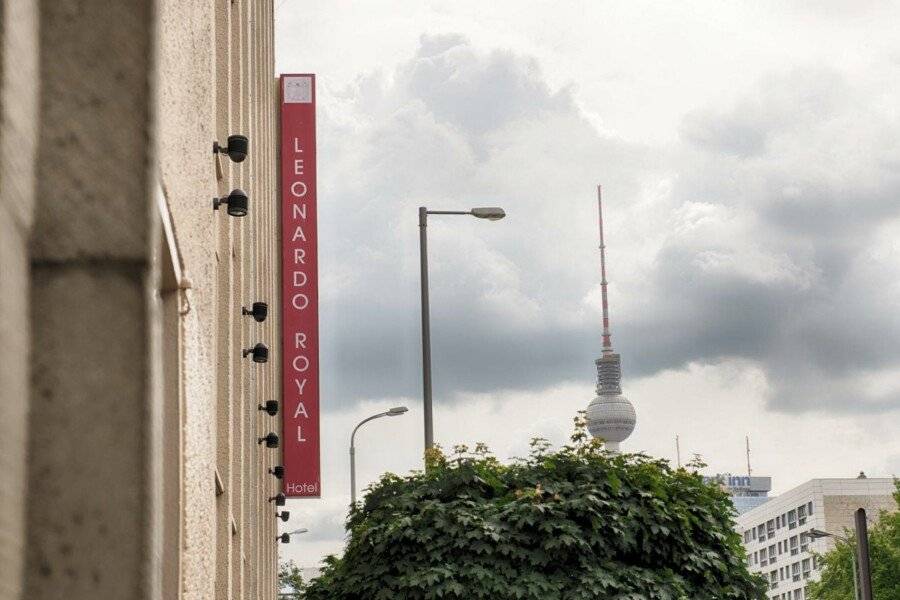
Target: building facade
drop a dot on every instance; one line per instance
(774, 533)
(129, 458)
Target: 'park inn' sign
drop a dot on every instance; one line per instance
(299, 288)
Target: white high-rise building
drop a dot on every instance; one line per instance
(774, 533)
(610, 416)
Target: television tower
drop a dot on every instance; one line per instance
(610, 416)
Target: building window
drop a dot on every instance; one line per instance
(795, 571)
(747, 536)
(801, 515)
(772, 553)
(806, 567)
(792, 519)
(794, 549)
(809, 509)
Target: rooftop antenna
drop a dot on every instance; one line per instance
(678, 450)
(607, 343)
(749, 471)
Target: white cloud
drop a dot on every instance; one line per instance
(712, 407)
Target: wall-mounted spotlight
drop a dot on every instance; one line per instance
(260, 353)
(271, 407)
(279, 499)
(259, 312)
(237, 149)
(271, 440)
(286, 537)
(278, 471)
(283, 515)
(237, 201)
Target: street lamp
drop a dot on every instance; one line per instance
(490, 213)
(815, 534)
(394, 412)
(286, 537)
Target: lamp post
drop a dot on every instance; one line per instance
(489, 213)
(818, 533)
(394, 412)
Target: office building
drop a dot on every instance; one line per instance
(773, 533)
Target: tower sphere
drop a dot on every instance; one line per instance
(611, 418)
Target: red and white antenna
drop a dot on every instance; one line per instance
(607, 343)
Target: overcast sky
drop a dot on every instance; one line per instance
(750, 160)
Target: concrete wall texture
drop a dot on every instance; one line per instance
(129, 463)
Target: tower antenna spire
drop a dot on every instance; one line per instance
(610, 416)
(607, 342)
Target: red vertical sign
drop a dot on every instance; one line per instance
(299, 288)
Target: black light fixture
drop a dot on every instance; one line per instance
(278, 471)
(271, 407)
(260, 353)
(286, 537)
(271, 440)
(237, 201)
(259, 312)
(283, 515)
(237, 149)
(279, 499)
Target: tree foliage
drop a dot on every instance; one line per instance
(290, 579)
(575, 523)
(836, 582)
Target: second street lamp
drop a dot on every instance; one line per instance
(815, 534)
(491, 213)
(394, 412)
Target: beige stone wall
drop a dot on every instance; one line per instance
(126, 288)
(839, 510)
(92, 514)
(18, 122)
(216, 65)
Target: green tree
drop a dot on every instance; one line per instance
(836, 582)
(290, 579)
(574, 523)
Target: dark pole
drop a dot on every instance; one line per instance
(426, 329)
(862, 548)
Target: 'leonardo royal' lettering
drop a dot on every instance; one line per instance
(300, 284)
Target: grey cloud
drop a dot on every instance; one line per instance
(780, 277)
(782, 104)
(477, 93)
(819, 197)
